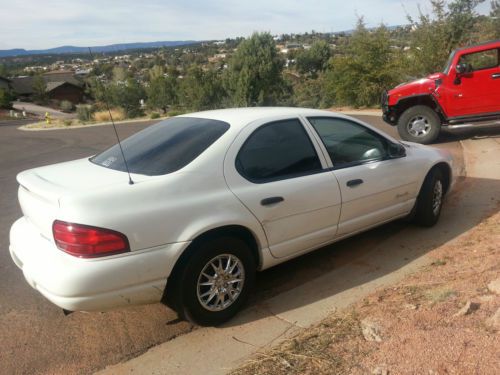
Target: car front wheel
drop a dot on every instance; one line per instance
(216, 281)
(419, 124)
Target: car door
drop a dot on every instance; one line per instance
(275, 170)
(375, 187)
(478, 91)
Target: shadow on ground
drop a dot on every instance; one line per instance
(351, 263)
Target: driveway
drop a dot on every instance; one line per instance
(37, 337)
(40, 111)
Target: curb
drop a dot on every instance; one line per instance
(124, 122)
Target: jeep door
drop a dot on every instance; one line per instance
(478, 91)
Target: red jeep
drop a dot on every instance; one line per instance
(466, 93)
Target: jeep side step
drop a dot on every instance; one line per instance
(471, 125)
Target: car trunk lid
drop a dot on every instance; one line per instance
(41, 189)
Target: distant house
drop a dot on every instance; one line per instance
(5, 83)
(60, 85)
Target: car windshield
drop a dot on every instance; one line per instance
(164, 147)
(448, 63)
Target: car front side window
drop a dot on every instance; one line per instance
(349, 143)
(276, 151)
(481, 60)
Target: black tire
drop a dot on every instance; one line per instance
(426, 211)
(188, 304)
(413, 118)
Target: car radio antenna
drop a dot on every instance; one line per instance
(130, 181)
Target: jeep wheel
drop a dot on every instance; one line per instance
(419, 124)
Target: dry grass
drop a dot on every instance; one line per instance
(440, 295)
(103, 116)
(330, 347)
(421, 332)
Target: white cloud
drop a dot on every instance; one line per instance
(34, 24)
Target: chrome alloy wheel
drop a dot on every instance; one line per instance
(419, 126)
(220, 282)
(437, 197)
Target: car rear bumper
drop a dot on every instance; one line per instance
(77, 284)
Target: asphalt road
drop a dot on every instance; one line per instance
(36, 337)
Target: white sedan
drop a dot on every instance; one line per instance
(215, 197)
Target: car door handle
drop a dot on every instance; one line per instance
(495, 75)
(352, 183)
(271, 200)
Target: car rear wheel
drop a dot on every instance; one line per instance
(430, 200)
(216, 281)
(419, 124)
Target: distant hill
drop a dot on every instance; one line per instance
(97, 49)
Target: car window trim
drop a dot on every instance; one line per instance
(356, 163)
(286, 177)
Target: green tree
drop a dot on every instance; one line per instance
(162, 92)
(254, 76)
(495, 15)
(314, 59)
(308, 92)
(127, 95)
(39, 89)
(4, 72)
(367, 67)
(435, 36)
(96, 89)
(5, 98)
(155, 72)
(201, 90)
(120, 74)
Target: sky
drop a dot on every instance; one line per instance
(41, 24)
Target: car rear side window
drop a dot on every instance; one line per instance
(164, 147)
(277, 150)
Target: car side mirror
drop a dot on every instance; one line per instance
(396, 150)
(463, 68)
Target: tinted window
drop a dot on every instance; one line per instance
(481, 60)
(165, 147)
(277, 150)
(349, 143)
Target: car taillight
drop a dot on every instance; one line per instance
(88, 242)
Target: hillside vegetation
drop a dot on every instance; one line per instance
(310, 70)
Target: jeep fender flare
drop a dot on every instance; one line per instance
(428, 100)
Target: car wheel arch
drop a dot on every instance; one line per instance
(445, 171)
(239, 231)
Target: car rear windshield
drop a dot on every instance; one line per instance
(164, 147)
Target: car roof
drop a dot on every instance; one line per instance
(239, 117)
(479, 47)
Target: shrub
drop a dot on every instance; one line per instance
(154, 115)
(66, 106)
(5, 98)
(175, 112)
(117, 113)
(68, 122)
(84, 113)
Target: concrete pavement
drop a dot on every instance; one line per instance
(40, 111)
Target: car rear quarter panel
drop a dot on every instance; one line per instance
(165, 209)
